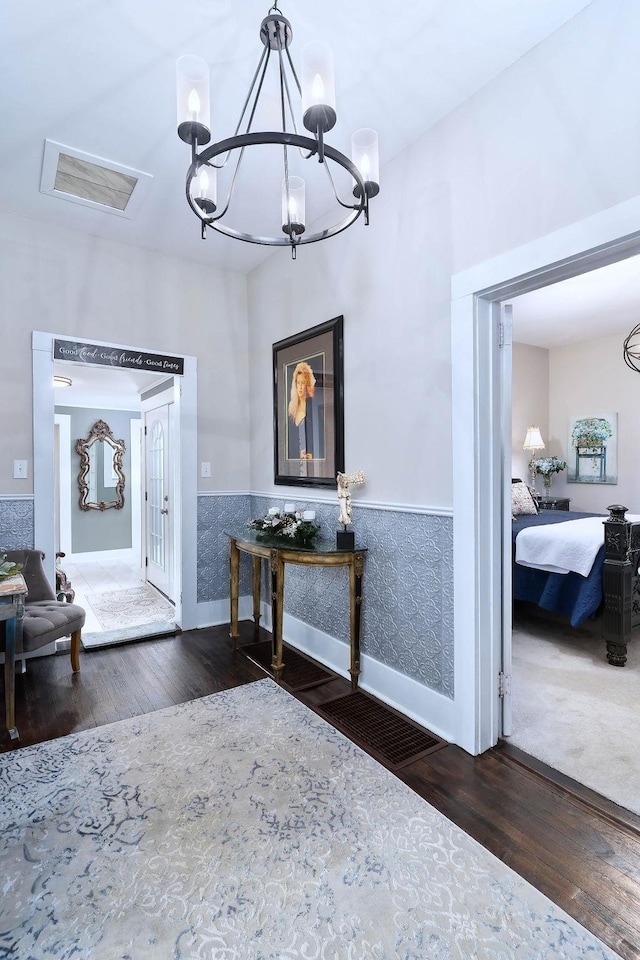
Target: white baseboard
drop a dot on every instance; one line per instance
(215, 612)
(427, 707)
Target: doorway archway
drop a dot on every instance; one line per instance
(185, 398)
(480, 482)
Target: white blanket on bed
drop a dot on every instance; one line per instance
(562, 547)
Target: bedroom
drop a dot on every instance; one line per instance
(568, 362)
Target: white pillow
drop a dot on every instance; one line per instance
(522, 503)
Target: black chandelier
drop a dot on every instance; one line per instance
(318, 116)
(631, 349)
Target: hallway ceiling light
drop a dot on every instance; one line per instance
(318, 116)
(59, 381)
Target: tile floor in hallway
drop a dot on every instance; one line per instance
(94, 579)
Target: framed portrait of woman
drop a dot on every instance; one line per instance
(308, 408)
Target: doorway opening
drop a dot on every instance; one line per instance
(482, 475)
(112, 578)
(568, 703)
(104, 555)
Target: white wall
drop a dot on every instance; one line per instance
(583, 379)
(530, 407)
(588, 379)
(59, 281)
(545, 144)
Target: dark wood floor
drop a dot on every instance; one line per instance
(580, 850)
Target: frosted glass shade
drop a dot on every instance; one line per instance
(318, 87)
(293, 212)
(364, 154)
(192, 85)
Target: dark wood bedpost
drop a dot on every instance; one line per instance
(617, 585)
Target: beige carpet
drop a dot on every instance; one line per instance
(243, 827)
(574, 711)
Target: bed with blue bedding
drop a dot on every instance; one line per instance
(569, 594)
(607, 581)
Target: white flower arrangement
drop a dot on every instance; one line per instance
(547, 466)
(297, 527)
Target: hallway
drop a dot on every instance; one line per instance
(119, 605)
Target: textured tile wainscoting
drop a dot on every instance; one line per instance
(217, 513)
(16, 523)
(408, 589)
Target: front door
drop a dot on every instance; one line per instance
(158, 501)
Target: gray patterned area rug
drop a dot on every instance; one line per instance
(243, 827)
(116, 609)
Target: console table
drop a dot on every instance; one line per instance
(323, 553)
(13, 591)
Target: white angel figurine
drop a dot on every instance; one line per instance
(345, 481)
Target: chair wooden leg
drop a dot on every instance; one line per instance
(75, 650)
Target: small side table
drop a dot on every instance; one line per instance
(554, 503)
(322, 554)
(13, 591)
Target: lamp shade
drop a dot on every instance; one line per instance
(533, 440)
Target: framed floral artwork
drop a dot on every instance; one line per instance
(308, 408)
(592, 449)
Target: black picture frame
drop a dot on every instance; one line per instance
(309, 451)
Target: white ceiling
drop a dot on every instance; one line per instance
(102, 388)
(99, 76)
(596, 304)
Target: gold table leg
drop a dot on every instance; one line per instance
(356, 570)
(234, 586)
(256, 578)
(277, 600)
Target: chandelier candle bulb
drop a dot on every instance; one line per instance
(293, 206)
(364, 153)
(194, 125)
(318, 87)
(205, 190)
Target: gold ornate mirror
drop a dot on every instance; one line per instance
(101, 479)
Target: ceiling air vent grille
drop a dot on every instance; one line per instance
(72, 175)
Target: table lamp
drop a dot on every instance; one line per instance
(533, 442)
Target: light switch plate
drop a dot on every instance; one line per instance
(205, 469)
(19, 469)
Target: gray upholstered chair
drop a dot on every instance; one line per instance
(45, 618)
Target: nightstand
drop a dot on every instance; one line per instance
(554, 503)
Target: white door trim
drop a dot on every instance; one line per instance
(63, 420)
(135, 430)
(603, 238)
(43, 463)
